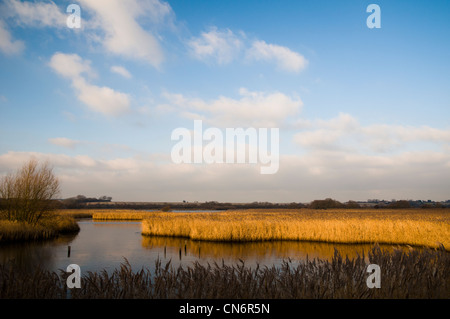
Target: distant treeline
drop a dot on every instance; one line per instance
(80, 201)
(400, 204)
(106, 202)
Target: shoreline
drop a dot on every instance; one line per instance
(234, 226)
(46, 229)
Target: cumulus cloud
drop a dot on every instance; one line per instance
(252, 109)
(220, 45)
(70, 65)
(225, 46)
(284, 58)
(118, 26)
(122, 34)
(99, 99)
(346, 133)
(8, 45)
(121, 71)
(28, 14)
(36, 14)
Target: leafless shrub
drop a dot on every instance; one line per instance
(27, 194)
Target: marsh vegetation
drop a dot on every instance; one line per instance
(27, 202)
(412, 274)
(429, 228)
(27, 213)
(117, 214)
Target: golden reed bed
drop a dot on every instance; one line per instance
(104, 214)
(429, 228)
(121, 215)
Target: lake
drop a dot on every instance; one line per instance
(104, 245)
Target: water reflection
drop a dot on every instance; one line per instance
(105, 245)
(263, 253)
(30, 255)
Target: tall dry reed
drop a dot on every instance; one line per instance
(342, 226)
(121, 215)
(414, 274)
(47, 228)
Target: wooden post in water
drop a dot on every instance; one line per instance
(185, 248)
(68, 251)
(164, 252)
(180, 253)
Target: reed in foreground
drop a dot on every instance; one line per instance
(414, 274)
(346, 226)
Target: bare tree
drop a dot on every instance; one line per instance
(28, 193)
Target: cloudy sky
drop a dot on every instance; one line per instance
(362, 113)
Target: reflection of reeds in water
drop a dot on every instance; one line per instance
(423, 228)
(413, 274)
(76, 213)
(296, 250)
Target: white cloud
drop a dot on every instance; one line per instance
(344, 122)
(220, 45)
(70, 65)
(224, 46)
(157, 11)
(117, 25)
(64, 142)
(36, 14)
(99, 99)
(344, 176)
(122, 33)
(410, 133)
(318, 138)
(346, 133)
(285, 58)
(7, 44)
(121, 71)
(252, 109)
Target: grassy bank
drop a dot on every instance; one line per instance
(413, 227)
(104, 214)
(59, 222)
(121, 215)
(414, 274)
(46, 228)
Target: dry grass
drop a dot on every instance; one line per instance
(48, 227)
(121, 215)
(76, 213)
(22, 231)
(414, 274)
(429, 228)
(103, 214)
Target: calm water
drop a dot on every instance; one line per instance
(104, 245)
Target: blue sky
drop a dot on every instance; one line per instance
(362, 113)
